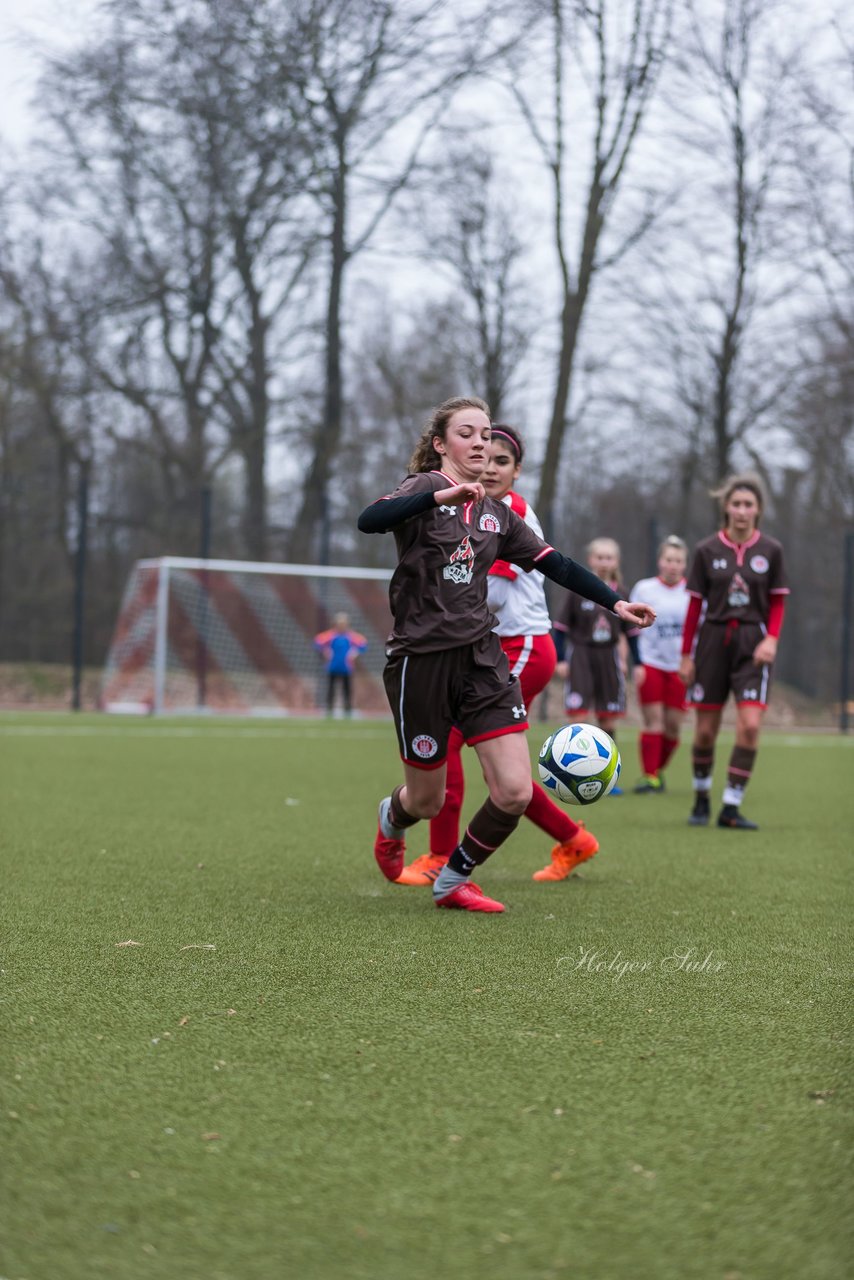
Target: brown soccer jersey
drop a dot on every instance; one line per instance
(438, 590)
(737, 580)
(588, 623)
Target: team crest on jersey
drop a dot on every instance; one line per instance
(739, 593)
(574, 701)
(424, 746)
(759, 564)
(697, 693)
(461, 565)
(587, 605)
(489, 524)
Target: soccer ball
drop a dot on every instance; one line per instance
(579, 763)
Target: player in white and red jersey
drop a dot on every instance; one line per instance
(740, 574)
(657, 652)
(523, 626)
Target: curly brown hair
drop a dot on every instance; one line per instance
(425, 457)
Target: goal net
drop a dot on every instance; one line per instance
(233, 636)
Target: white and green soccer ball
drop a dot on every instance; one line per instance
(579, 764)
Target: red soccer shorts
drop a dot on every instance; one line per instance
(662, 686)
(532, 659)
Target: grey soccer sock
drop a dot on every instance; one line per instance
(455, 872)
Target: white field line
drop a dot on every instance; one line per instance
(303, 730)
(174, 731)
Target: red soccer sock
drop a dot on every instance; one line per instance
(445, 827)
(545, 814)
(651, 751)
(670, 745)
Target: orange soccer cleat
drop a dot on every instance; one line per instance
(569, 855)
(469, 897)
(423, 870)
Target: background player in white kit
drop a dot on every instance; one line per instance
(657, 656)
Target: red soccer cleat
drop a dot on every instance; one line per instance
(389, 848)
(469, 897)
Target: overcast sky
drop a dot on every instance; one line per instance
(23, 23)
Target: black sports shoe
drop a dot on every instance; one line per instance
(700, 814)
(729, 816)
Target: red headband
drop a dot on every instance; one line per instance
(505, 435)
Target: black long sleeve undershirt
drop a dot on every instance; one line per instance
(567, 573)
(388, 513)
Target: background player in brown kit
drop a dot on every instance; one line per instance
(596, 647)
(740, 574)
(445, 663)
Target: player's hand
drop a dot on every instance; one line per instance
(471, 492)
(687, 670)
(642, 615)
(562, 670)
(640, 675)
(765, 651)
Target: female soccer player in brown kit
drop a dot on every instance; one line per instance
(445, 664)
(595, 668)
(740, 574)
(523, 627)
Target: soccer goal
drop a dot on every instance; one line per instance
(235, 636)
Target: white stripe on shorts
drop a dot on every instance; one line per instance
(402, 691)
(522, 661)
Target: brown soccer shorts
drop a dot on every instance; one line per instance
(724, 665)
(595, 681)
(469, 686)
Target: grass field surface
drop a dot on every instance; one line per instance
(231, 1051)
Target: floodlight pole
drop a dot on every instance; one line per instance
(653, 539)
(847, 600)
(80, 583)
(204, 554)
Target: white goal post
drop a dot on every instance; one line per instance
(237, 636)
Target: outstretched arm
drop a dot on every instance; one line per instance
(568, 573)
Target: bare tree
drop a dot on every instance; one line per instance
(477, 243)
(620, 66)
(743, 77)
(194, 163)
(376, 76)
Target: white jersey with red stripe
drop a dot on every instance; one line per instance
(661, 644)
(518, 599)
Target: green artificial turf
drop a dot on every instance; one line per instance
(301, 1070)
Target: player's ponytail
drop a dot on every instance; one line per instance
(425, 457)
